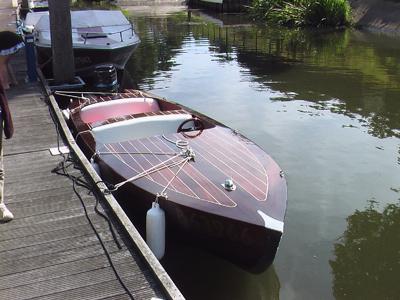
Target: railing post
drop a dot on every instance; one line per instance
(30, 57)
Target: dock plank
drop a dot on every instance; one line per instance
(13, 266)
(49, 251)
(26, 218)
(60, 270)
(64, 283)
(86, 240)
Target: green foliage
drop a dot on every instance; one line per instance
(261, 9)
(318, 13)
(328, 13)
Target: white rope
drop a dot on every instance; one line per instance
(163, 194)
(181, 144)
(145, 153)
(188, 155)
(62, 93)
(186, 152)
(82, 97)
(162, 165)
(67, 93)
(82, 132)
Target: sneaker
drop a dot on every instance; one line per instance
(5, 214)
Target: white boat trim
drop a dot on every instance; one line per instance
(94, 47)
(270, 222)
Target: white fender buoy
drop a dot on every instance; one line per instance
(66, 113)
(95, 166)
(155, 230)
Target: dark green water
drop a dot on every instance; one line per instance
(326, 106)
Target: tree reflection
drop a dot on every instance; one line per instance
(99, 4)
(398, 159)
(157, 49)
(201, 275)
(336, 70)
(367, 263)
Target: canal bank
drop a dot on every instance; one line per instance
(377, 15)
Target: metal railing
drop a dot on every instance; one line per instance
(93, 34)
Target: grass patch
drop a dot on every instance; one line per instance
(298, 13)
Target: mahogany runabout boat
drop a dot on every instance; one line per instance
(218, 189)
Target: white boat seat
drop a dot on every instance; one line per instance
(133, 129)
(102, 111)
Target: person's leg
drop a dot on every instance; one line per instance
(4, 80)
(10, 71)
(5, 214)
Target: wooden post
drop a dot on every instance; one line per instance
(61, 41)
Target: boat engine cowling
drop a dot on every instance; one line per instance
(105, 77)
(100, 78)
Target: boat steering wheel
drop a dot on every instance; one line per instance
(197, 126)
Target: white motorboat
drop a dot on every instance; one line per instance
(98, 37)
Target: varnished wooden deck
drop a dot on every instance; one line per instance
(49, 251)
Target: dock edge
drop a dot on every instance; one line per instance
(168, 286)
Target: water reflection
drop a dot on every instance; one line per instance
(200, 275)
(325, 106)
(398, 159)
(98, 4)
(313, 66)
(367, 257)
(156, 52)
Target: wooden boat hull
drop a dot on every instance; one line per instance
(251, 247)
(243, 226)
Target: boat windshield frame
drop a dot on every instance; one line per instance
(92, 34)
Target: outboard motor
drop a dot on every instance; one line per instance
(99, 78)
(105, 78)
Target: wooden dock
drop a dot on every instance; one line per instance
(50, 251)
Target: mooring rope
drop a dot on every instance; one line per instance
(127, 152)
(86, 99)
(100, 93)
(188, 155)
(162, 193)
(61, 169)
(181, 144)
(82, 132)
(186, 152)
(66, 94)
